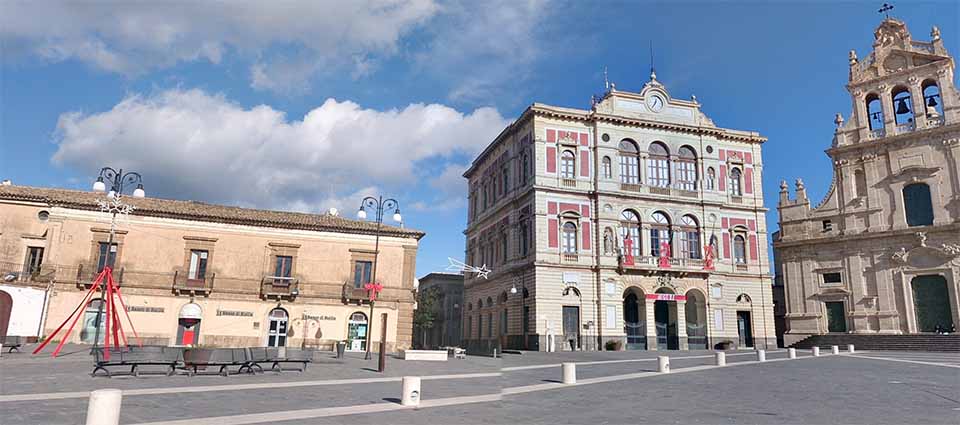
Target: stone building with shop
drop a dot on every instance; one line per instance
(446, 289)
(596, 223)
(199, 274)
(880, 254)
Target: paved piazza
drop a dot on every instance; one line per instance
(612, 387)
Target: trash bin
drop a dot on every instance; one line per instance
(341, 346)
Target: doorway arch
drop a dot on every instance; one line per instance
(931, 303)
(357, 327)
(188, 324)
(695, 311)
(665, 317)
(277, 330)
(634, 318)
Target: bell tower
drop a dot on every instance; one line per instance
(902, 86)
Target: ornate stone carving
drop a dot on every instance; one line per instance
(934, 34)
(899, 256)
(853, 57)
(922, 238)
(665, 280)
(951, 249)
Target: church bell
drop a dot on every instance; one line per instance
(932, 102)
(902, 107)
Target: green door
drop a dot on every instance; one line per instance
(932, 303)
(836, 319)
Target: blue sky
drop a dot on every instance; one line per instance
(312, 106)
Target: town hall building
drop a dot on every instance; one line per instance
(636, 224)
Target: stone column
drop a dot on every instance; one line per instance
(682, 324)
(886, 103)
(651, 326)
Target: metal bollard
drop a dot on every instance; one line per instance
(850, 348)
(569, 373)
(761, 355)
(411, 391)
(494, 353)
(835, 349)
(816, 351)
(721, 358)
(791, 353)
(104, 407)
(663, 364)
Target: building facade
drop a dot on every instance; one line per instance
(637, 224)
(880, 254)
(198, 274)
(447, 292)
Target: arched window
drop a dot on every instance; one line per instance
(658, 165)
(711, 178)
(524, 168)
(569, 238)
(629, 162)
(740, 249)
(687, 168)
(689, 237)
(860, 183)
(630, 230)
(607, 168)
(489, 302)
(916, 202)
(931, 98)
(568, 165)
(524, 237)
(736, 180)
(875, 112)
(902, 105)
(480, 303)
(659, 232)
(608, 241)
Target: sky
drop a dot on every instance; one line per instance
(305, 106)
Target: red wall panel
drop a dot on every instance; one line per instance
(552, 233)
(551, 159)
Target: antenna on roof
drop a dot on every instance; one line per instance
(653, 70)
(606, 81)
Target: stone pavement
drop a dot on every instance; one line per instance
(613, 387)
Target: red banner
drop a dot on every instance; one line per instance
(708, 257)
(665, 255)
(627, 251)
(666, 297)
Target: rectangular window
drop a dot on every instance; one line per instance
(489, 324)
(506, 179)
(568, 166)
(198, 264)
(283, 270)
(827, 225)
(687, 175)
(716, 291)
(658, 172)
(611, 317)
(34, 260)
(718, 319)
(629, 170)
(658, 236)
(362, 273)
(832, 277)
(104, 258)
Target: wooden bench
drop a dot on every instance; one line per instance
(135, 357)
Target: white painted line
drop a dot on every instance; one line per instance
(908, 361)
(602, 362)
(238, 387)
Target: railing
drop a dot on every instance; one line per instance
(87, 274)
(736, 199)
(905, 128)
(279, 287)
(660, 190)
(14, 272)
(573, 258)
(919, 45)
(678, 263)
(629, 187)
(742, 267)
(183, 283)
(352, 293)
(876, 134)
(569, 183)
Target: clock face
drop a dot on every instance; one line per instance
(655, 103)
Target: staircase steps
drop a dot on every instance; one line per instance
(909, 342)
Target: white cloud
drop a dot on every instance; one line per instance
(134, 37)
(191, 144)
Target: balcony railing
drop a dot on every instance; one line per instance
(571, 258)
(629, 187)
(660, 190)
(279, 287)
(569, 183)
(13, 272)
(905, 128)
(876, 134)
(352, 293)
(183, 283)
(87, 274)
(648, 262)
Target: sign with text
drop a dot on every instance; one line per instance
(666, 297)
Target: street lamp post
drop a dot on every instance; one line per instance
(524, 321)
(377, 205)
(118, 181)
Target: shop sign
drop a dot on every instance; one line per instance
(666, 297)
(235, 313)
(318, 317)
(142, 309)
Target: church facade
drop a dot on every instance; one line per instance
(881, 253)
(636, 224)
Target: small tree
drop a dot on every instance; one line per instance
(428, 303)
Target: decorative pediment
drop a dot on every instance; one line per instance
(925, 257)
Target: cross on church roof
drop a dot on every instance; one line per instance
(885, 9)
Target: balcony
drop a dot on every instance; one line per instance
(736, 199)
(905, 128)
(660, 190)
(87, 274)
(651, 263)
(569, 183)
(13, 272)
(351, 293)
(183, 284)
(629, 187)
(279, 287)
(570, 258)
